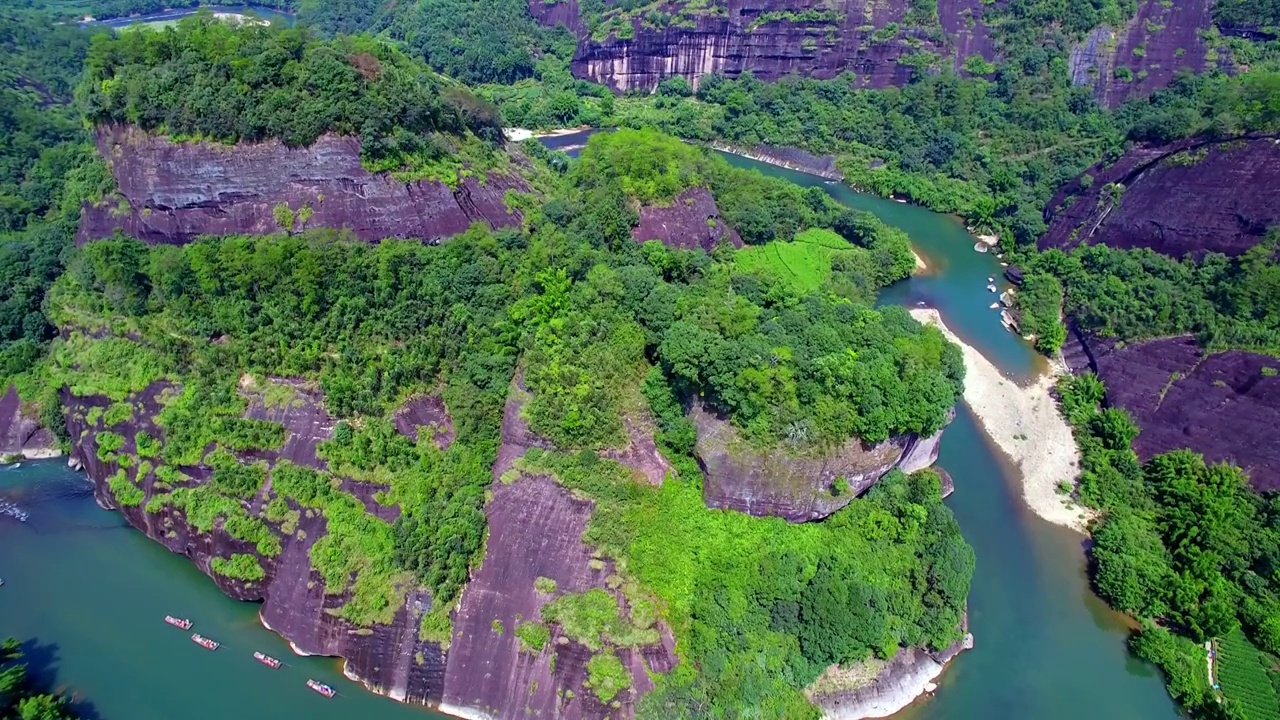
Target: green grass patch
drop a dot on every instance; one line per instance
(113, 367)
(544, 585)
(1242, 673)
(108, 443)
(356, 545)
(239, 567)
(804, 263)
(148, 447)
(596, 619)
(126, 493)
(533, 636)
(607, 676)
(117, 413)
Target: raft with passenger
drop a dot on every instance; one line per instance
(180, 623)
(266, 660)
(321, 688)
(204, 642)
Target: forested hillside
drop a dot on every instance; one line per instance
(189, 368)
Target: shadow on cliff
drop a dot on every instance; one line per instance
(41, 660)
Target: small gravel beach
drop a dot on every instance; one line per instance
(1025, 423)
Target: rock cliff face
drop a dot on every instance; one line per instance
(1161, 39)
(389, 659)
(894, 686)
(692, 220)
(20, 432)
(175, 192)
(795, 487)
(769, 38)
(535, 531)
(1188, 197)
(1223, 405)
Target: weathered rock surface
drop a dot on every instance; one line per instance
(823, 166)
(793, 486)
(1161, 39)
(535, 530)
(175, 192)
(1223, 405)
(425, 413)
(389, 659)
(772, 39)
(1193, 197)
(900, 681)
(691, 220)
(21, 432)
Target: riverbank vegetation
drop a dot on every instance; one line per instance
(1186, 545)
(601, 328)
(21, 697)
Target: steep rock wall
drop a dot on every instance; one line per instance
(389, 659)
(20, 431)
(796, 487)
(175, 192)
(1161, 39)
(1224, 405)
(691, 220)
(898, 683)
(1193, 196)
(771, 39)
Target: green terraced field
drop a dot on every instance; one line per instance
(1243, 677)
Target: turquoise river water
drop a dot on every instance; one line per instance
(87, 593)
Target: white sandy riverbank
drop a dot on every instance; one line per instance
(1025, 423)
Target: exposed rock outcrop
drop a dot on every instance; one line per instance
(1161, 39)
(795, 486)
(691, 220)
(769, 38)
(824, 166)
(535, 531)
(390, 659)
(425, 413)
(895, 685)
(1193, 196)
(174, 192)
(20, 431)
(1224, 405)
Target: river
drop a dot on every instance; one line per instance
(165, 17)
(90, 593)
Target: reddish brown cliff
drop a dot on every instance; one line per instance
(20, 430)
(389, 658)
(1194, 196)
(1224, 405)
(793, 485)
(1161, 39)
(175, 192)
(769, 38)
(691, 220)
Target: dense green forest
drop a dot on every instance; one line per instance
(600, 328)
(1186, 546)
(20, 696)
(1130, 295)
(47, 167)
(214, 81)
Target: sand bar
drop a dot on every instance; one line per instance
(1025, 423)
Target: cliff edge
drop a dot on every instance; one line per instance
(172, 192)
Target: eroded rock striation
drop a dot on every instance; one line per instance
(690, 220)
(20, 431)
(1193, 196)
(388, 658)
(893, 685)
(1223, 405)
(768, 38)
(794, 486)
(1160, 40)
(175, 192)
